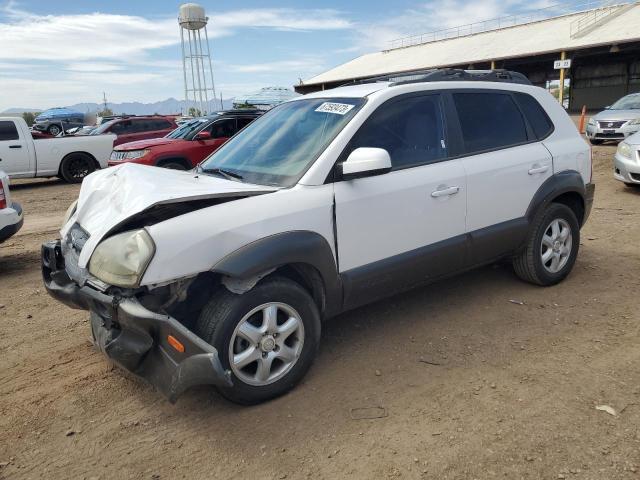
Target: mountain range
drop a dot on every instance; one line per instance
(165, 107)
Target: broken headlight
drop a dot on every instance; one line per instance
(121, 260)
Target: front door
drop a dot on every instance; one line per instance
(14, 151)
(407, 226)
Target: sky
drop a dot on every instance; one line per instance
(66, 52)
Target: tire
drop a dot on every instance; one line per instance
(76, 166)
(54, 130)
(596, 142)
(173, 165)
(275, 364)
(559, 255)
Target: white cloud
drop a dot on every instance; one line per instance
(277, 67)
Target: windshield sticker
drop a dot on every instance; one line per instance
(338, 108)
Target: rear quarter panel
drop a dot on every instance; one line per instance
(50, 152)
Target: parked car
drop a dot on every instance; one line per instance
(56, 120)
(188, 145)
(10, 212)
(223, 275)
(70, 158)
(130, 129)
(616, 122)
(626, 163)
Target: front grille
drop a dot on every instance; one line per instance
(612, 124)
(117, 155)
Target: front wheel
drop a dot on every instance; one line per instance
(54, 130)
(268, 337)
(552, 247)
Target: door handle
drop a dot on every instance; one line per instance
(446, 191)
(538, 169)
(15, 146)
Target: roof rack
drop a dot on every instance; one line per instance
(448, 74)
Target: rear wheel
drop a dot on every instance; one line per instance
(267, 337)
(76, 166)
(552, 247)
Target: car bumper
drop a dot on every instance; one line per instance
(595, 132)
(134, 337)
(12, 219)
(627, 170)
(589, 194)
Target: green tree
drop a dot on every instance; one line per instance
(194, 112)
(107, 112)
(29, 117)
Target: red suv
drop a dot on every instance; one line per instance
(130, 129)
(188, 145)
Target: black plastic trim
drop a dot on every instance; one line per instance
(8, 231)
(559, 183)
(298, 246)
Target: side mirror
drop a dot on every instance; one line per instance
(204, 135)
(365, 162)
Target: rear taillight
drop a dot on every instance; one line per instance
(3, 198)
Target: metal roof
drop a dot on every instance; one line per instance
(544, 36)
(266, 96)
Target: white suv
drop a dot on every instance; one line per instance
(223, 275)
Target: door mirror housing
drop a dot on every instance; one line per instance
(204, 135)
(365, 162)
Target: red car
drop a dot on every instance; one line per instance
(189, 144)
(131, 129)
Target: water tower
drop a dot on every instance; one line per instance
(199, 90)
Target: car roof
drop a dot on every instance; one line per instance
(358, 91)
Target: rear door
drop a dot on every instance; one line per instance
(505, 164)
(15, 158)
(406, 226)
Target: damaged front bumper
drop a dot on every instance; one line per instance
(134, 337)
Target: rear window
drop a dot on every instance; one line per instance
(489, 121)
(536, 116)
(8, 131)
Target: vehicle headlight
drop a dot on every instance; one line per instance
(592, 121)
(133, 154)
(624, 150)
(635, 121)
(121, 260)
(69, 213)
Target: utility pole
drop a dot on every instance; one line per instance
(104, 101)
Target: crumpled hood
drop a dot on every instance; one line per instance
(617, 115)
(142, 144)
(110, 196)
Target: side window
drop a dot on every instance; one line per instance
(142, 126)
(159, 124)
(122, 127)
(489, 121)
(243, 122)
(410, 129)
(537, 117)
(223, 128)
(8, 131)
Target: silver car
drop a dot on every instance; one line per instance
(626, 163)
(617, 122)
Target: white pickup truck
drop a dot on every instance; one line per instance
(70, 158)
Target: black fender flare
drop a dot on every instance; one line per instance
(556, 185)
(287, 248)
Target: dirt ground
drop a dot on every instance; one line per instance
(481, 376)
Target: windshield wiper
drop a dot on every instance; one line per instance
(223, 172)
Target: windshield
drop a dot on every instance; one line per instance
(102, 128)
(630, 102)
(277, 148)
(189, 129)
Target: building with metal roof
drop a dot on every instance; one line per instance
(602, 44)
(265, 98)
